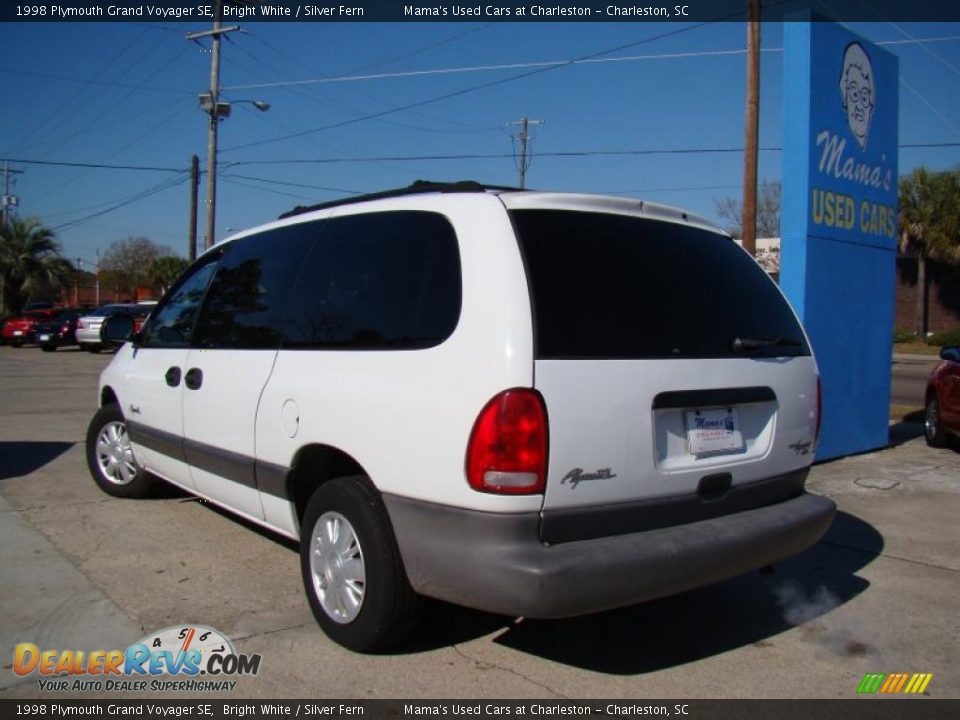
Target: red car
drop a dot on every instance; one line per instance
(942, 418)
(20, 330)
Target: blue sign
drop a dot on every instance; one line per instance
(839, 222)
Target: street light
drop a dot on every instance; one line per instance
(217, 110)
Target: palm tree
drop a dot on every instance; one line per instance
(29, 260)
(929, 226)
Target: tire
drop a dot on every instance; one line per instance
(48, 348)
(16, 343)
(110, 457)
(92, 348)
(932, 423)
(358, 589)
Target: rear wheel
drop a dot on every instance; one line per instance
(16, 343)
(92, 348)
(48, 348)
(932, 424)
(351, 566)
(110, 456)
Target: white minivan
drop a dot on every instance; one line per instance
(536, 404)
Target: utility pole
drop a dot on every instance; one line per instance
(523, 137)
(751, 129)
(97, 269)
(194, 189)
(9, 200)
(214, 110)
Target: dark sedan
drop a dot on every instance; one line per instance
(59, 331)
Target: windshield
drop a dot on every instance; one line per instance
(616, 286)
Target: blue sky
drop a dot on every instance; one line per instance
(125, 94)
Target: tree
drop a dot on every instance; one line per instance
(768, 211)
(929, 226)
(126, 263)
(30, 260)
(165, 270)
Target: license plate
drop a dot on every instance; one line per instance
(44, 338)
(713, 431)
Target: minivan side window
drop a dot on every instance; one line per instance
(247, 297)
(172, 321)
(378, 281)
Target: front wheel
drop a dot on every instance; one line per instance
(932, 424)
(352, 571)
(48, 348)
(110, 456)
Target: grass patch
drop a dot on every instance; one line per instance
(916, 348)
(906, 413)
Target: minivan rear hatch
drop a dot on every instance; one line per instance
(677, 380)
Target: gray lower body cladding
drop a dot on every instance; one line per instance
(497, 562)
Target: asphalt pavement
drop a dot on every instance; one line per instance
(909, 381)
(82, 570)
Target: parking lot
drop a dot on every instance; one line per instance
(81, 570)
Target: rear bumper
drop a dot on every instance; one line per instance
(496, 562)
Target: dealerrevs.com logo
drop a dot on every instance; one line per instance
(177, 658)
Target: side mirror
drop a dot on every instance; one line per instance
(116, 330)
(950, 352)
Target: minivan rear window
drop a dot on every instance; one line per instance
(618, 286)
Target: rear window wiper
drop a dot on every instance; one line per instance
(741, 344)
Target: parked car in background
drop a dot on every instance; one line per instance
(59, 331)
(942, 420)
(140, 312)
(88, 327)
(19, 330)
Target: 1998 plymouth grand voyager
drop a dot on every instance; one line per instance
(531, 403)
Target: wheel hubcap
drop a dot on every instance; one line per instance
(115, 454)
(932, 419)
(337, 567)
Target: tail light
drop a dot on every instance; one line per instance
(507, 452)
(79, 324)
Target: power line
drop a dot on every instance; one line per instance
(556, 154)
(412, 158)
(165, 185)
(117, 101)
(482, 86)
(64, 108)
(99, 166)
(149, 130)
(431, 46)
(293, 184)
(545, 64)
(88, 81)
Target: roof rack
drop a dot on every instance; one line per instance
(416, 188)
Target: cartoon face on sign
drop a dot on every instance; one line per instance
(857, 91)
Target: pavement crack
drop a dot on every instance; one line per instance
(484, 665)
(890, 557)
(271, 632)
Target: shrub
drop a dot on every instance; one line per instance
(950, 337)
(900, 335)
